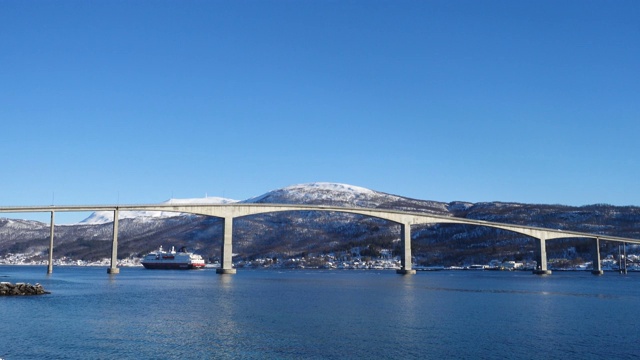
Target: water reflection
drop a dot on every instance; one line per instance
(225, 281)
(221, 314)
(314, 314)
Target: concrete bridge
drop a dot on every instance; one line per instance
(228, 212)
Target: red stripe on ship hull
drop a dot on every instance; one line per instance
(172, 266)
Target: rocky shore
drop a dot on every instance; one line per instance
(9, 289)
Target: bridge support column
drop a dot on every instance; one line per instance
(595, 256)
(226, 251)
(405, 238)
(113, 269)
(50, 266)
(541, 257)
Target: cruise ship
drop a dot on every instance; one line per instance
(180, 260)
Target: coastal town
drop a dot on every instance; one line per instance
(331, 261)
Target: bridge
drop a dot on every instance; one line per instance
(229, 212)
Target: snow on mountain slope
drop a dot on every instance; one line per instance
(336, 194)
(316, 193)
(101, 217)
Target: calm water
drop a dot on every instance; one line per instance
(146, 314)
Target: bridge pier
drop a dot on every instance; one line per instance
(50, 265)
(595, 256)
(113, 269)
(541, 257)
(226, 250)
(405, 260)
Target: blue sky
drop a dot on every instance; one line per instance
(106, 102)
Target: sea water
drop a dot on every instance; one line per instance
(315, 314)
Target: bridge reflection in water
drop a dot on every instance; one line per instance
(229, 212)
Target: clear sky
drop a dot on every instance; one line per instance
(105, 102)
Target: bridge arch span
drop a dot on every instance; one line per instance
(405, 220)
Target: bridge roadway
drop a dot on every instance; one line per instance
(228, 212)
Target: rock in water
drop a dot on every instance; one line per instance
(8, 289)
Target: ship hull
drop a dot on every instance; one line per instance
(172, 266)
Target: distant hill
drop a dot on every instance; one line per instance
(289, 234)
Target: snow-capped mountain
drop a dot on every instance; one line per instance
(335, 194)
(318, 193)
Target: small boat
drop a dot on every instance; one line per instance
(181, 259)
